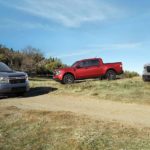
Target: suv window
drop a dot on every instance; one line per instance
(4, 68)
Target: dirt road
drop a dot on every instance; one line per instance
(133, 114)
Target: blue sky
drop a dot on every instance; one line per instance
(115, 30)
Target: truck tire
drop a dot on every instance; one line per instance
(111, 75)
(68, 79)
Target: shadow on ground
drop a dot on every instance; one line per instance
(79, 81)
(40, 79)
(37, 91)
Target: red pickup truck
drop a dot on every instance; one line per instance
(88, 68)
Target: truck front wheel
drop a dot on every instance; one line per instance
(111, 75)
(68, 79)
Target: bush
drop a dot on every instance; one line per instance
(130, 74)
(30, 60)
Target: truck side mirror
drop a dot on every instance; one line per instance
(78, 66)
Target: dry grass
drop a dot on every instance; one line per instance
(43, 130)
(25, 130)
(124, 90)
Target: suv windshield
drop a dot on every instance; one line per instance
(4, 68)
(148, 68)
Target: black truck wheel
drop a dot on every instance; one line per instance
(68, 79)
(111, 75)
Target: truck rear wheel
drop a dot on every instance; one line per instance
(68, 79)
(111, 75)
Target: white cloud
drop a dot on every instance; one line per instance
(118, 46)
(19, 25)
(80, 53)
(67, 12)
(93, 49)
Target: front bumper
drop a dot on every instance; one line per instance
(14, 88)
(58, 77)
(146, 77)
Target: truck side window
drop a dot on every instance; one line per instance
(84, 64)
(81, 64)
(95, 62)
(89, 63)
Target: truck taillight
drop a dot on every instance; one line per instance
(121, 65)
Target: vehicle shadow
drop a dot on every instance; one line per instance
(79, 81)
(36, 91)
(95, 79)
(39, 79)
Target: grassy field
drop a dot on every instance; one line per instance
(42, 130)
(124, 90)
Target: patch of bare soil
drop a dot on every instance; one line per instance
(133, 114)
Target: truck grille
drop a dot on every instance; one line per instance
(148, 68)
(16, 80)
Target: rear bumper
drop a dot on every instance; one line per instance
(14, 88)
(119, 73)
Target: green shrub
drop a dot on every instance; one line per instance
(130, 74)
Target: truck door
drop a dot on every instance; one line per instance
(94, 68)
(88, 69)
(81, 70)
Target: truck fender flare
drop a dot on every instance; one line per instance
(110, 69)
(69, 73)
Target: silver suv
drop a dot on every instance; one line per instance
(146, 72)
(12, 81)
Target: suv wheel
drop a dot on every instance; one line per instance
(111, 75)
(68, 79)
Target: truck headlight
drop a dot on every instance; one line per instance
(58, 72)
(4, 80)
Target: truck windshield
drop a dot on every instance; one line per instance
(4, 68)
(74, 64)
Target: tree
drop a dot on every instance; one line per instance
(31, 58)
